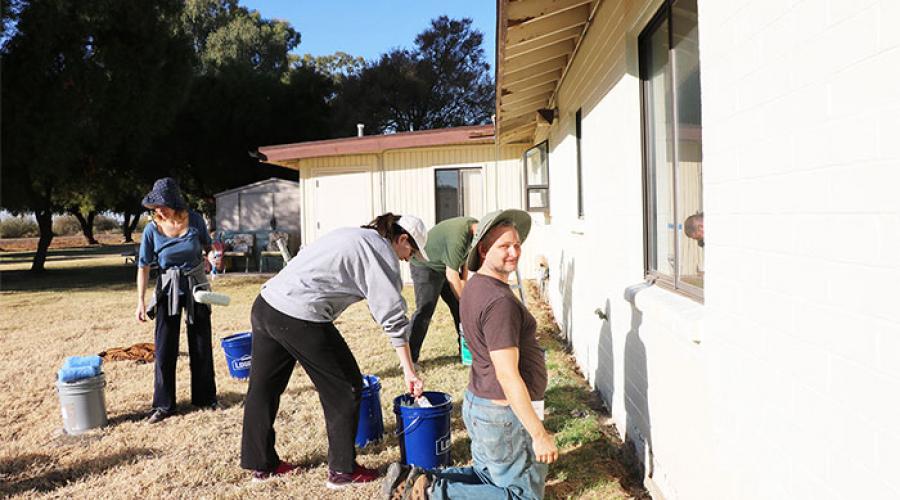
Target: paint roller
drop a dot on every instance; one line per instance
(203, 295)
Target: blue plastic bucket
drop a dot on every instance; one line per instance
(424, 433)
(371, 423)
(237, 354)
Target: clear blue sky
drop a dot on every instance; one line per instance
(369, 28)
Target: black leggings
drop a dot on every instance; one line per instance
(278, 341)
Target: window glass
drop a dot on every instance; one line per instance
(537, 178)
(472, 192)
(536, 166)
(673, 162)
(446, 194)
(538, 198)
(458, 191)
(659, 162)
(686, 75)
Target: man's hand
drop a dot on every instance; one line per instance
(545, 448)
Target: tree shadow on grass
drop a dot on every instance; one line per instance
(230, 399)
(447, 359)
(393, 371)
(226, 400)
(110, 277)
(132, 416)
(68, 253)
(41, 473)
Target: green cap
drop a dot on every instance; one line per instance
(519, 218)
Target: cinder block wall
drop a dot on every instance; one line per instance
(801, 122)
(782, 383)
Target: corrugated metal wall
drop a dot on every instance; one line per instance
(250, 208)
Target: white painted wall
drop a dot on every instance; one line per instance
(406, 184)
(783, 384)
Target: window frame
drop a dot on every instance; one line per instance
(544, 148)
(579, 175)
(672, 282)
(460, 197)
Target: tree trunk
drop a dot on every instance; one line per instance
(129, 224)
(45, 224)
(87, 225)
(134, 222)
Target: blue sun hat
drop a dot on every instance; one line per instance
(165, 193)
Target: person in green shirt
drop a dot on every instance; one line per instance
(442, 275)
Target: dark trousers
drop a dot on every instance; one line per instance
(428, 285)
(199, 336)
(278, 342)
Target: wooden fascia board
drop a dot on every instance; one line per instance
(525, 126)
(507, 115)
(534, 103)
(515, 123)
(520, 134)
(544, 67)
(499, 54)
(563, 48)
(541, 27)
(531, 82)
(291, 164)
(514, 97)
(542, 41)
(526, 10)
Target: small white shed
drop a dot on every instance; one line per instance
(259, 208)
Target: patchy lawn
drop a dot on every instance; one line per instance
(84, 303)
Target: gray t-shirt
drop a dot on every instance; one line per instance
(337, 270)
(494, 319)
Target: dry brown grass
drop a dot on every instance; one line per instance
(85, 305)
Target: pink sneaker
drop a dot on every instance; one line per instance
(282, 469)
(360, 475)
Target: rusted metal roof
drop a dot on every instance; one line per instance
(373, 144)
(536, 41)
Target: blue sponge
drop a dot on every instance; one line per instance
(76, 361)
(76, 373)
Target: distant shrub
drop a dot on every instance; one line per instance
(104, 224)
(18, 227)
(65, 225)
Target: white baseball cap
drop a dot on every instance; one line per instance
(416, 228)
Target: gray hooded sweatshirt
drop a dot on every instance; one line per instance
(343, 267)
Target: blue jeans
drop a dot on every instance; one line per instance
(503, 462)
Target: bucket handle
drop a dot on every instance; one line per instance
(409, 428)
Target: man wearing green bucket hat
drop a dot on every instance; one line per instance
(503, 407)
